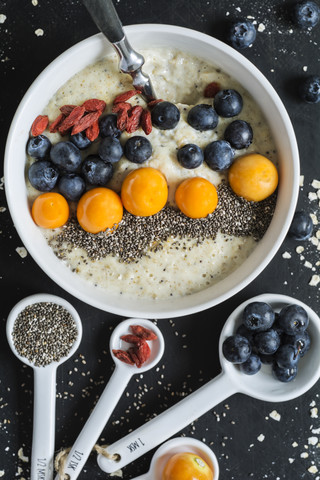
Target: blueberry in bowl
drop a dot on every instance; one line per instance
(80, 140)
(43, 175)
(219, 155)
(165, 115)
(228, 103)
(138, 149)
(66, 156)
(71, 186)
(110, 149)
(202, 117)
(239, 134)
(38, 147)
(108, 126)
(96, 171)
(190, 156)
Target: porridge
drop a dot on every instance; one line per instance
(167, 253)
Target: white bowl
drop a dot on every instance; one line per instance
(215, 52)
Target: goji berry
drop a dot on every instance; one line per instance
(123, 97)
(211, 90)
(71, 120)
(94, 104)
(92, 132)
(122, 120)
(39, 125)
(121, 106)
(129, 338)
(143, 332)
(134, 116)
(53, 128)
(143, 352)
(67, 109)
(123, 356)
(152, 103)
(85, 122)
(146, 122)
(133, 354)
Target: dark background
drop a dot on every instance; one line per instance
(285, 54)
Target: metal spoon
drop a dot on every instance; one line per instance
(106, 18)
(44, 405)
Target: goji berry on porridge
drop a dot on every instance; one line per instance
(161, 199)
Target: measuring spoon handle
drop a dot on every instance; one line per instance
(168, 423)
(99, 416)
(44, 408)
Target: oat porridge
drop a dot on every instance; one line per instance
(167, 253)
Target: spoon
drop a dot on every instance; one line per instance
(230, 381)
(44, 389)
(106, 18)
(118, 381)
(179, 445)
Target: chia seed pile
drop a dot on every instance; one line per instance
(44, 333)
(136, 236)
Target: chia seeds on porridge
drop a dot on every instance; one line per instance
(166, 254)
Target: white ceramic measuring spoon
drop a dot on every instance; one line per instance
(101, 413)
(261, 386)
(44, 406)
(179, 445)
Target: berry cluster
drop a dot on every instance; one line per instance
(264, 336)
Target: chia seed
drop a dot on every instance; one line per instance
(136, 236)
(44, 333)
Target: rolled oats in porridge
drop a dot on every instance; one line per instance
(168, 253)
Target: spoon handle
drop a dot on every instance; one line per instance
(43, 423)
(168, 423)
(106, 18)
(92, 429)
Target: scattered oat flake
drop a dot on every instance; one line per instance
(2, 209)
(261, 437)
(34, 2)
(286, 255)
(294, 444)
(301, 180)
(1, 473)
(117, 473)
(313, 469)
(314, 219)
(21, 455)
(307, 264)
(315, 184)
(261, 27)
(315, 430)
(291, 460)
(312, 196)
(3, 18)
(314, 241)
(39, 32)
(314, 412)
(315, 279)
(305, 68)
(313, 440)
(304, 455)
(22, 252)
(275, 415)
(300, 249)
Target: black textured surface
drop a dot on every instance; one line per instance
(284, 54)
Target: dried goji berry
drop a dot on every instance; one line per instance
(152, 103)
(94, 104)
(123, 97)
(211, 89)
(92, 132)
(122, 120)
(143, 352)
(146, 122)
(71, 120)
(123, 356)
(53, 128)
(85, 122)
(133, 354)
(121, 106)
(67, 109)
(39, 125)
(143, 332)
(134, 116)
(129, 338)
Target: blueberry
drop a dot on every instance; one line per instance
(110, 149)
(293, 319)
(66, 156)
(228, 103)
(267, 342)
(306, 14)
(236, 349)
(258, 316)
(287, 356)
(71, 186)
(309, 89)
(96, 171)
(284, 374)
(244, 332)
(108, 126)
(242, 34)
(80, 140)
(203, 117)
(138, 149)
(219, 155)
(165, 115)
(190, 156)
(301, 342)
(251, 366)
(43, 175)
(266, 359)
(301, 227)
(38, 147)
(239, 134)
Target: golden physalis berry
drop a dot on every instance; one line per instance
(50, 210)
(253, 177)
(99, 209)
(196, 197)
(186, 466)
(144, 192)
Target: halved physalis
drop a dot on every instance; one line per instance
(50, 210)
(187, 466)
(196, 197)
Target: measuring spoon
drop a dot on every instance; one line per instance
(44, 405)
(262, 386)
(179, 445)
(118, 381)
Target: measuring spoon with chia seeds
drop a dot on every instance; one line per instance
(109, 398)
(44, 405)
(231, 380)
